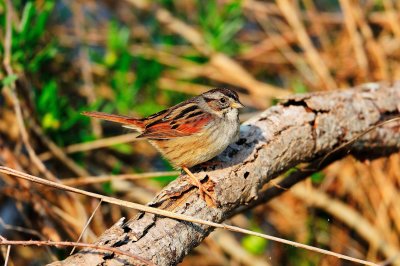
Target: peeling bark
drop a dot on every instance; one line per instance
(301, 129)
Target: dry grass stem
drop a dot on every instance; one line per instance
(92, 145)
(57, 152)
(311, 53)
(86, 225)
(355, 37)
(87, 180)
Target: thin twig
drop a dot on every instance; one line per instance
(26, 231)
(7, 255)
(57, 151)
(72, 244)
(86, 225)
(96, 144)
(177, 216)
(81, 181)
(19, 229)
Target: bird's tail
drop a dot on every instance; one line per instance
(127, 121)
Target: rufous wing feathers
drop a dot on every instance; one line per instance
(167, 130)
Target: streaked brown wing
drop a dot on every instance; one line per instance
(183, 120)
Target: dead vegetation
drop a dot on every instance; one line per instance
(136, 57)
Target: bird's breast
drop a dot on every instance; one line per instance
(197, 148)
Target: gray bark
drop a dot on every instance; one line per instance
(301, 129)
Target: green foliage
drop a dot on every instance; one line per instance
(165, 180)
(299, 257)
(48, 107)
(317, 177)
(291, 171)
(220, 24)
(254, 244)
(7, 81)
(28, 52)
(33, 50)
(57, 114)
(123, 148)
(378, 5)
(119, 60)
(107, 188)
(299, 87)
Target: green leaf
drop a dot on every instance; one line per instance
(220, 23)
(50, 122)
(7, 81)
(123, 148)
(117, 37)
(299, 87)
(110, 58)
(290, 171)
(38, 28)
(48, 52)
(48, 97)
(27, 14)
(107, 188)
(317, 177)
(254, 244)
(165, 180)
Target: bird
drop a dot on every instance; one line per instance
(191, 132)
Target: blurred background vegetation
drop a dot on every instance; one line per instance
(139, 57)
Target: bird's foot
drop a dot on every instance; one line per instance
(203, 192)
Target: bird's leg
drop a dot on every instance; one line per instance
(197, 183)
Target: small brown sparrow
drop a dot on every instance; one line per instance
(191, 132)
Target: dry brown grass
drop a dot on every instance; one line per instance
(287, 46)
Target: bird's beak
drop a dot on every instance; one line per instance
(237, 105)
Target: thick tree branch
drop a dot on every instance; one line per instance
(302, 129)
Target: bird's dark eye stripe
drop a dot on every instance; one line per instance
(185, 111)
(194, 114)
(208, 99)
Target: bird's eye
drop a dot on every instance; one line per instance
(222, 100)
